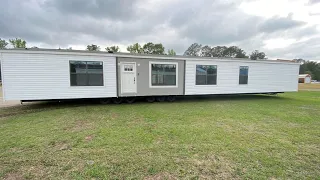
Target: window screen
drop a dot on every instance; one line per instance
(206, 75)
(243, 75)
(163, 74)
(86, 73)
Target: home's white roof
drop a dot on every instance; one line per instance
(131, 55)
(303, 75)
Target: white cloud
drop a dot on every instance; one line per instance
(277, 27)
(278, 43)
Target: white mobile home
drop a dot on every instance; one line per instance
(42, 74)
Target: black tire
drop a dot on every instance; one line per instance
(171, 98)
(130, 100)
(161, 98)
(105, 101)
(150, 99)
(117, 100)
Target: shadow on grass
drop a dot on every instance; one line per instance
(51, 105)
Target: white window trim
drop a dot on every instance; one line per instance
(195, 76)
(103, 74)
(161, 62)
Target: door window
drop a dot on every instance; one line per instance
(128, 68)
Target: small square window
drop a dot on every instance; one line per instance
(206, 74)
(163, 74)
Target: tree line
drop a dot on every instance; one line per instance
(195, 49)
(309, 67)
(222, 51)
(148, 48)
(16, 43)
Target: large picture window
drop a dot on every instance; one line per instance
(206, 75)
(243, 74)
(163, 74)
(86, 73)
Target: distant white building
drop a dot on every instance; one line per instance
(305, 78)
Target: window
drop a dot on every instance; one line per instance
(128, 67)
(86, 73)
(243, 75)
(163, 74)
(206, 75)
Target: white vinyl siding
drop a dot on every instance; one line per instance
(263, 77)
(31, 76)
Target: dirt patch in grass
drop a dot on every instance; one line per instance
(79, 126)
(60, 146)
(114, 115)
(13, 176)
(34, 172)
(89, 138)
(214, 167)
(161, 176)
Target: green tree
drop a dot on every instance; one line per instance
(255, 55)
(18, 43)
(301, 61)
(93, 47)
(113, 49)
(234, 52)
(171, 52)
(193, 50)
(312, 68)
(3, 43)
(151, 48)
(217, 51)
(206, 51)
(135, 48)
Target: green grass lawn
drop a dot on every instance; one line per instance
(230, 137)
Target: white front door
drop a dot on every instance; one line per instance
(307, 80)
(128, 78)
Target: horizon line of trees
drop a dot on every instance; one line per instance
(148, 48)
(195, 49)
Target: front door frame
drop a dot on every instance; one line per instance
(121, 76)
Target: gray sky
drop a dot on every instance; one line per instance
(281, 28)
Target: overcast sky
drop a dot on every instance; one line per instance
(284, 29)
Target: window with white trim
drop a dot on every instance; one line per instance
(163, 74)
(86, 73)
(243, 74)
(206, 74)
